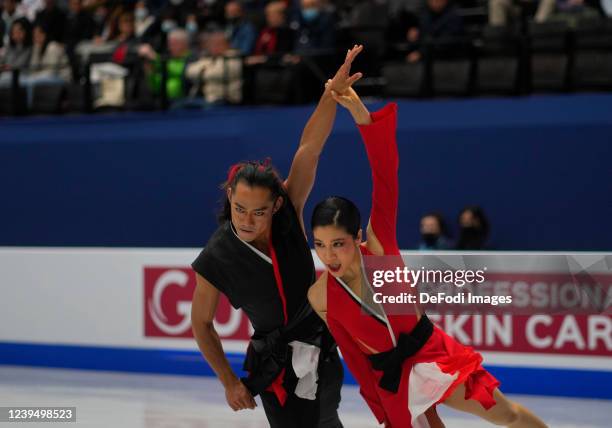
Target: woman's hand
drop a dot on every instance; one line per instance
(343, 80)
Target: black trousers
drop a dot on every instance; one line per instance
(319, 413)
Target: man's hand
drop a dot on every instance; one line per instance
(238, 396)
(146, 51)
(342, 80)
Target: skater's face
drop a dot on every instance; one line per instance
(252, 211)
(336, 248)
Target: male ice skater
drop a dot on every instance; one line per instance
(260, 259)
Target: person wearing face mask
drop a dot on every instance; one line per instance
(474, 229)
(434, 234)
(80, 26)
(314, 28)
(143, 19)
(239, 31)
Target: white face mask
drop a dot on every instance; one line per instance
(607, 7)
(168, 25)
(191, 27)
(141, 13)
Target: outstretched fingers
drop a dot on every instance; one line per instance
(352, 54)
(355, 77)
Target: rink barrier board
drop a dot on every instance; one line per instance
(514, 380)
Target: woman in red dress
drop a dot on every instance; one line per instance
(404, 364)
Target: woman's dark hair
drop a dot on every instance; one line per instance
(479, 214)
(254, 174)
(441, 222)
(27, 29)
(44, 29)
(337, 211)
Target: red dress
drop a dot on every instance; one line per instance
(432, 374)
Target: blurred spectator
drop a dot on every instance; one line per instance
(502, 11)
(29, 8)
(53, 19)
(434, 234)
(48, 64)
(101, 21)
(439, 20)
(314, 28)
(192, 28)
(178, 56)
(369, 13)
(19, 50)
(473, 229)
(144, 19)
(48, 58)
(9, 14)
(240, 32)
(275, 39)
(80, 25)
(566, 10)
(171, 17)
(109, 77)
(403, 16)
(219, 72)
(399, 7)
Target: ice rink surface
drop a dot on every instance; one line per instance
(111, 399)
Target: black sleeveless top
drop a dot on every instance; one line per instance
(248, 280)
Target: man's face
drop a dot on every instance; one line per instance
(252, 209)
(233, 10)
(275, 16)
(429, 224)
(437, 5)
(75, 6)
(177, 46)
(10, 6)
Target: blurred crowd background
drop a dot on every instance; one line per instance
(59, 56)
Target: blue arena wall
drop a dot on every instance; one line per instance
(540, 167)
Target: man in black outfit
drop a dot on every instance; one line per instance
(260, 259)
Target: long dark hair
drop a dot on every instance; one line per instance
(474, 238)
(337, 211)
(44, 29)
(254, 174)
(27, 29)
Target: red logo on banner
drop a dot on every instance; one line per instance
(168, 292)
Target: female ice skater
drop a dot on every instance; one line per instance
(404, 364)
(260, 259)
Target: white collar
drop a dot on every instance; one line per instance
(259, 253)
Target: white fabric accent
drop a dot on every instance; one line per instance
(259, 253)
(305, 361)
(365, 279)
(426, 385)
(421, 422)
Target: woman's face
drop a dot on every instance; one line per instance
(39, 36)
(429, 224)
(18, 33)
(336, 248)
(126, 26)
